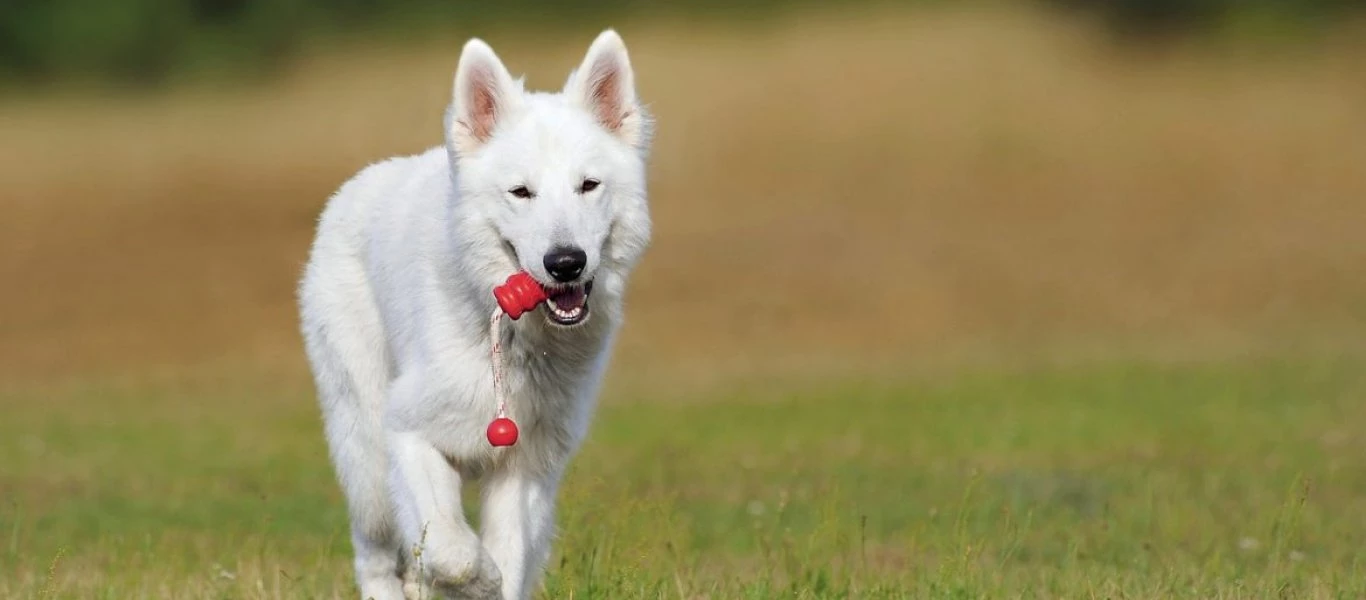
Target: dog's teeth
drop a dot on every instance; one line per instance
(572, 314)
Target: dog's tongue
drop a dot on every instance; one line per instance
(569, 298)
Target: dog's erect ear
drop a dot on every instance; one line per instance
(484, 94)
(605, 85)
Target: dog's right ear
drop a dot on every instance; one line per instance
(484, 95)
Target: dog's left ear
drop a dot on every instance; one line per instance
(605, 86)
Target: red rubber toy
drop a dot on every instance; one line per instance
(502, 432)
(520, 294)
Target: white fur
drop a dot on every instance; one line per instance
(395, 304)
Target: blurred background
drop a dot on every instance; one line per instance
(960, 181)
(852, 191)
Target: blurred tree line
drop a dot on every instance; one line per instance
(143, 42)
(1164, 18)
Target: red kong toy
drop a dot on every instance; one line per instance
(520, 294)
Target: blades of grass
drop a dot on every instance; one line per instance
(14, 532)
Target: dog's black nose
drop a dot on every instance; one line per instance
(565, 264)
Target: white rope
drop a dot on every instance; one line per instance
(497, 358)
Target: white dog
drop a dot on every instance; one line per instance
(396, 301)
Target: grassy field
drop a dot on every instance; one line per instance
(1212, 480)
(1074, 321)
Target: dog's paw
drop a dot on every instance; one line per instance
(484, 582)
(458, 570)
(414, 588)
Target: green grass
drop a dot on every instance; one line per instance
(1240, 479)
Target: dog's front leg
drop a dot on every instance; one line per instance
(446, 551)
(518, 521)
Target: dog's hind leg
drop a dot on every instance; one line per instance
(357, 448)
(378, 567)
(350, 371)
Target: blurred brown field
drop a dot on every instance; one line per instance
(831, 191)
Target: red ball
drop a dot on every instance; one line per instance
(502, 432)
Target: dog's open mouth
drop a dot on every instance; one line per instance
(567, 305)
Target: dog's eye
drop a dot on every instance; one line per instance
(522, 192)
(589, 185)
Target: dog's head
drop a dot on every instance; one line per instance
(559, 178)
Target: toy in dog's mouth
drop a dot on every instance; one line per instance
(567, 305)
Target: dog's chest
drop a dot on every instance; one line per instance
(544, 380)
